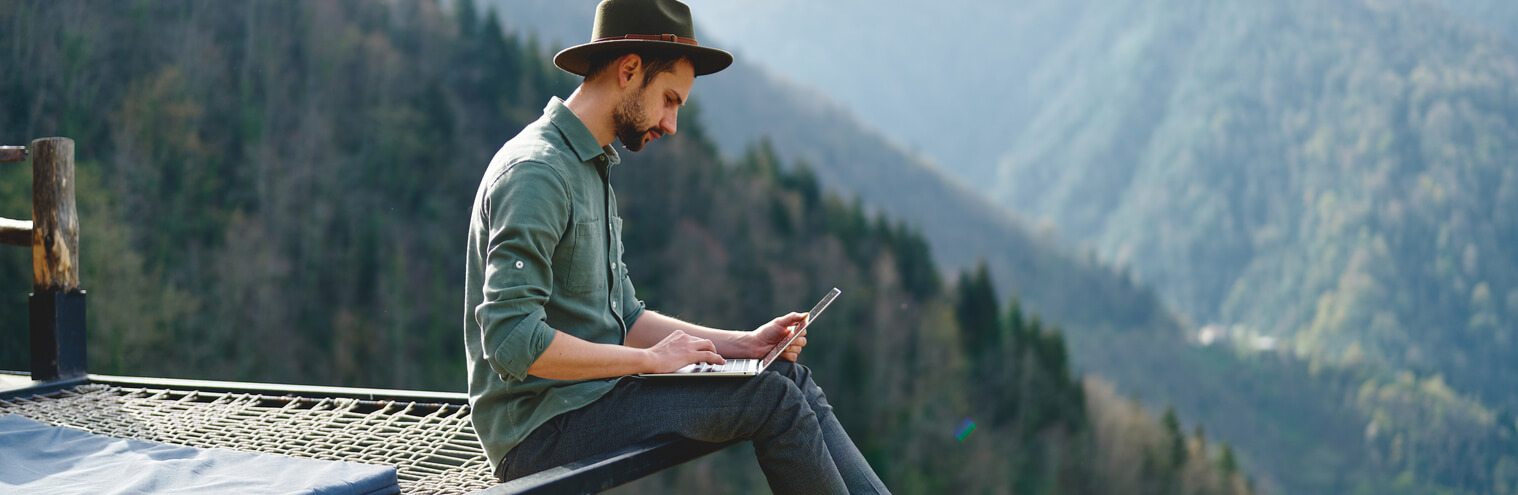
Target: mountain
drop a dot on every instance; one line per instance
(1251, 162)
(1328, 173)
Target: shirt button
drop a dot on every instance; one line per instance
(519, 264)
(613, 305)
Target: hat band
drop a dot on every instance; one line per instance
(651, 37)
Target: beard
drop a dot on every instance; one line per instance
(625, 118)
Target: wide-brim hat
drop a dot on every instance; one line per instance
(630, 25)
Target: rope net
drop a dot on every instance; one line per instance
(432, 446)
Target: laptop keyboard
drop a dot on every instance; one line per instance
(731, 366)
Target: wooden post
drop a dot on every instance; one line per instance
(57, 304)
(55, 223)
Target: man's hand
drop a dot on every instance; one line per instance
(679, 349)
(777, 330)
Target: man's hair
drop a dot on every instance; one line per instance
(655, 62)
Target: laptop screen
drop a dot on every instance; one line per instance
(810, 317)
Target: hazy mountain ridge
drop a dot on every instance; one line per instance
(1351, 197)
(1204, 144)
(1332, 173)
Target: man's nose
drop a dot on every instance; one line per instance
(670, 121)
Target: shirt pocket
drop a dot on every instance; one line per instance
(586, 260)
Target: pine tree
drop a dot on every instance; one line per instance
(979, 316)
(1226, 461)
(1174, 436)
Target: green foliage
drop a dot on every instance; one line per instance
(979, 315)
(1176, 455)
(250, 184)
(1227, 463)
(1331, 173)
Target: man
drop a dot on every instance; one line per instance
(552, 325)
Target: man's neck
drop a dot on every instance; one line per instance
(594, 109)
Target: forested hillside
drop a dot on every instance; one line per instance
(278, 191)
(1195, 142)
(1246, 159)
(1336, 174)
(1320, 179)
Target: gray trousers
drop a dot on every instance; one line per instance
(800, 445)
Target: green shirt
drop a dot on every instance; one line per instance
(545, 254)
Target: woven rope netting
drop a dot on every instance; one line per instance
(432, 446)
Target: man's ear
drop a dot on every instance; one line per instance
(628, 68)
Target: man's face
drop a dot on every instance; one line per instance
(653, 109)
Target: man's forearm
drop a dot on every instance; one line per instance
(571, 358)
(651, 327)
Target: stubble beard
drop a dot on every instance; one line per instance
(625, 118)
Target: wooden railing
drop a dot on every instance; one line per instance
(57, 303)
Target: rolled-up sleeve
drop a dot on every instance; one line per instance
(527, 212)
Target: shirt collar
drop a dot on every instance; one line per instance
(578, 136)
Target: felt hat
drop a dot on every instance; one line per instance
(629, 25)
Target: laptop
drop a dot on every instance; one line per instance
(751, 367)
